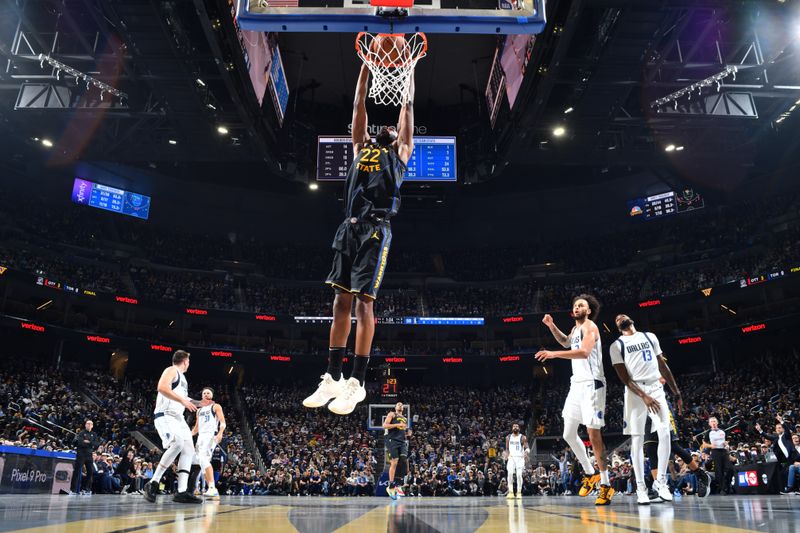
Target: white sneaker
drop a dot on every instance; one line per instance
(212, 493)
(642, 498)
(346, 402)
(326, 391)
(663, 491)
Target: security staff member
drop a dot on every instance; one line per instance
(85, 442)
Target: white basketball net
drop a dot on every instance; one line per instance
(391, 68)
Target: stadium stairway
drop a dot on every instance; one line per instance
(247, 433)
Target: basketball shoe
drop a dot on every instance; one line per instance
(326, 391)
(212, 493)
(663, 490)
(604, 498)
(642, 497)
(587, 484)
(346, 401)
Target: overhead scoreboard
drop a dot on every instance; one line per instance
(434, 159)
(665, 204)
(110, 198)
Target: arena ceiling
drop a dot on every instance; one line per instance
(605, 61)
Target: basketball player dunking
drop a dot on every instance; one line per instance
(396, 432)
(209, 426)
(361, 246)
(516, 450)
(172, 399)
(586, 401)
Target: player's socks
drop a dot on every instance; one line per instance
(335, 357)
(360, 368)
(604, 478)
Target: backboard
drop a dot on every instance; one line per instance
(430, 16)
(377, 412)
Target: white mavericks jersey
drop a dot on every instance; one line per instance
(515, 445)
(639, 353)
(207, 423)
(165, 405)
(590, 369)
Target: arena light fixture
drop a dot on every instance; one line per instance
(200, 82)
(313, 186)
(89, 80)
(697, 87)
(670, 148)
(173, 141)
(222, 130)
(47, 142)
(559, 131)
(679, 148)
(568, 110)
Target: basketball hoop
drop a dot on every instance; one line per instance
(391, 66)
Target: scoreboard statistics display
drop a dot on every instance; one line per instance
(434, 159)
(110, 198)
(665, 204)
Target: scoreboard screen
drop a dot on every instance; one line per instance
(434, 159)
(110, 198)
(665, 204)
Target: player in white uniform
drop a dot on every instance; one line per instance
(516, 450)
(209, 426)
(586, 401)
(637, 358)
(176, 437)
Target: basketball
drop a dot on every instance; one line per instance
(391, 48)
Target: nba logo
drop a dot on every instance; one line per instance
(742, 479)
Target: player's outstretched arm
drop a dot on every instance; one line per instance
(558, 335)
(360, 133)
(590, 336)
(405, 127)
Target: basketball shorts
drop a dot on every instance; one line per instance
(636, 413)
(396, 449)
(360, 254)
(586, 403)
(171, 428)
(206, 443)
(515, 464)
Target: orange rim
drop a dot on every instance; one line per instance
(391, 64)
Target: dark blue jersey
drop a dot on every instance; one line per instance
(373, 183)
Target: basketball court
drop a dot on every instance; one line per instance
(423, 515)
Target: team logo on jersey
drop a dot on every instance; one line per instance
(375, 235)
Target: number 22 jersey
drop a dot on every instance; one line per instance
(373, 182)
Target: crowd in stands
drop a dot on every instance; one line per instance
(456, 444)
(683, 254)
(43, 408)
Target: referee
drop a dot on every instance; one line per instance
(396, 431)
(719, 454)
(85, 443)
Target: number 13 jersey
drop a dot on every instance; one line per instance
(639, 353)
(373, 182)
